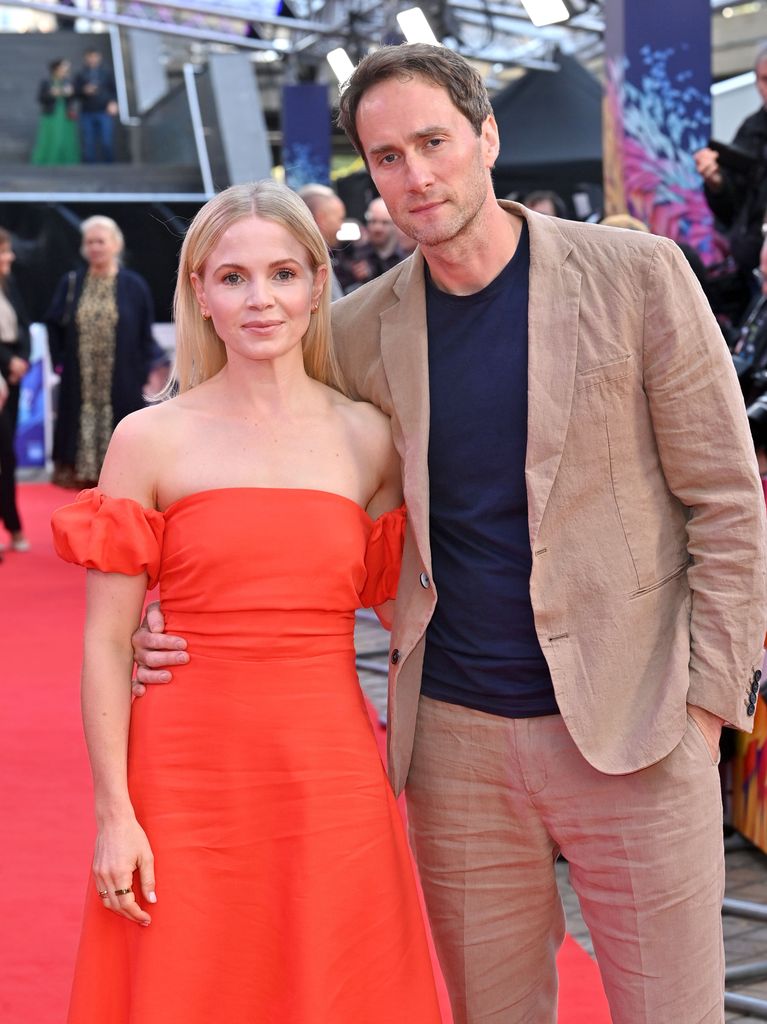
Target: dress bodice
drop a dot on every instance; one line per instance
(236, 565)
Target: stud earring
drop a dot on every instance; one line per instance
(315, 307)
(205, 316)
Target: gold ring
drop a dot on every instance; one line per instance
(103, 893)
(122, 892)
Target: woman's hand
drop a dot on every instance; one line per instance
(122, 848)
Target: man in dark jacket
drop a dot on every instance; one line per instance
(737, 194)
(95, 88)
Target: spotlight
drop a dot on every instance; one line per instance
(415, 27)
(546, 12)
(349, 232)
(341, 63)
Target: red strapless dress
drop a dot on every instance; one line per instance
(284, 882)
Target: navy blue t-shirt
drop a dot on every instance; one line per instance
(482, 650)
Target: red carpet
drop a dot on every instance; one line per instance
(45, 799)
(45, 796)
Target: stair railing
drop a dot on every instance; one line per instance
(96, 10)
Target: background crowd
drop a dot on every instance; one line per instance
(99, 318)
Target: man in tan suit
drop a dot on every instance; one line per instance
(582, 599)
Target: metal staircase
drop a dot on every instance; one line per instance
(181, 133)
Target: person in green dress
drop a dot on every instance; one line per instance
(57, 138)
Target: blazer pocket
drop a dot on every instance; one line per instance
(603, 374)
(692, 724)
(660, 583)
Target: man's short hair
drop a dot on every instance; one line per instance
(761, 54)
(433, 64)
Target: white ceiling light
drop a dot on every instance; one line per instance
(341, 63)
(415, 27)
(546, 12)
(349, 232)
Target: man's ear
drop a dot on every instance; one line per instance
(491, 142)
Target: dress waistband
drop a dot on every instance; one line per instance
(263, 634)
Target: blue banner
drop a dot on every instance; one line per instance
(30, 432)
(305, 134)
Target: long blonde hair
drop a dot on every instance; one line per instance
(200, 353)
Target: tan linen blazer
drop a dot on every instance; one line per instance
(646, 511)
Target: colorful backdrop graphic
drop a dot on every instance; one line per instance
(749, 783)
(657, 113)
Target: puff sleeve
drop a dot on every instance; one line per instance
(383, 557)
(109, 534)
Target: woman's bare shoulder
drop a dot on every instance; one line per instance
(142, 444)
(365, 418)
(151, 420)
(371, 437)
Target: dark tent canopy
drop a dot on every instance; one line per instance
(550, 124)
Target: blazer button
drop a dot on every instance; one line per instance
(424, 580)
(757, 675)
(755, 686)
(751, 708)
(394, 656)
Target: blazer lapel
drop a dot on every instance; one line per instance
(404, 352)
(552, 351)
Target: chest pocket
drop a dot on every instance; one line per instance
(605, 374)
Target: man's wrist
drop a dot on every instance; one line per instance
(708, 723)
(705, 713)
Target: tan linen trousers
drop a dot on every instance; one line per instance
(492, 801)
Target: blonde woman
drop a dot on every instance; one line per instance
(250, 862)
